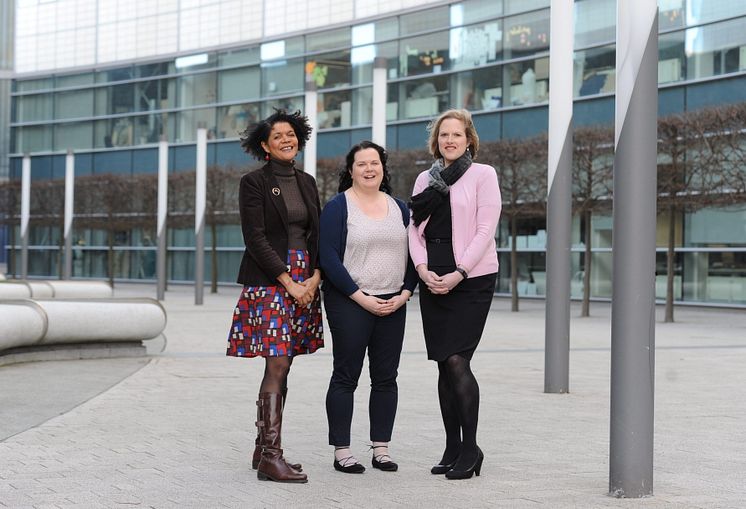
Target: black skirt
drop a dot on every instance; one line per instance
(453, 323)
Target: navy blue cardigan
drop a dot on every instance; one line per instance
(333, 241)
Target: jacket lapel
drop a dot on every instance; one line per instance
(275, 196)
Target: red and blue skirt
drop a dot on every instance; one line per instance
(268, 322)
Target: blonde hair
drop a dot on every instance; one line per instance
(471, 132)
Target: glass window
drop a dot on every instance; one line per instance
(330, 69)
(187, 123)
(362, 106)
(115, 99)
(234, 119)
(526, 34)
(480, 89)
(475, 45)
(239, 84)
(29, 85)
(387, 29)
(392, 102)
(239, 57)
(76, 135)
(32, 139)
(527, 82)
(286, 103)
(155, 94)
(671, 58)
(30, 108)
(424, 98)
(74, 104)
(114, 132)
(701, 11)
(716, 49)
(283, 48)
(120, 74)
(595, 21)
(282, 77)
(594, 71)
(475, 10)
(334, 109)
(196, 89)
(424, 54)
(670, 14)
(149, 128)
(423, 21)
(151, 70)
(514, 6)
(328, 39)
(190, 63)
(74, 80)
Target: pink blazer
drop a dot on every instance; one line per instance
(475, 212)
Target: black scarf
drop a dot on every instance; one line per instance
(441, 179)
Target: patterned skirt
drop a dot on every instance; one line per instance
(267, 322)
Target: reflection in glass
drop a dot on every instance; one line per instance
(330, 69)
(328, 39)
(239, 84)
(196, 89)
(29, 85)
(286, 103)
(282, 77)
(475, 45)
(235, 118)
(422, 21)
(595, 22)
(30, 108)
(424, 54)
(475, 10)
(513, 6)
(716, 49)
(424, 98)
(526, 82)
(480, 89)
(189, 121)
(334, 109)
(76, 135)
(670, 14)
(702, 11)
(32, 138)
(362, 109)
(671, 59)
(149, 128)
(114, 132)
(594, 71)
(75, 104)
(239, 57)
(115, 99)
(526, 34)
(155, 95)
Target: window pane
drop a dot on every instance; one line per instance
(196, 89)
(595, 21)
(282, 77)
(234, 119)
(716, 49)
(239, 57)
(328, 39)
(671, 14)
(423, 98)
(73, 104)
(149, 128)
(77, 135)
(701, 11)
(151, 70)
(32, 138)
(334, 109)
(115, 99)
(528, 82)
(671, 58)
(33, 107)
(424, 54)
(114, 132)
(123, 73)
(239, 84)
(187, 123)
(424, 20)
(387, 29)
(475, 45)
(526, 34)
(74, 80)
(475, 10)
(362, 106)
(392, 102)
(594, 70)
(287, 103)
(330, 69)
(513, 6)
(29, 85)
(155, 95)
(480, 89)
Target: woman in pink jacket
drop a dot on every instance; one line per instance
(455, 209)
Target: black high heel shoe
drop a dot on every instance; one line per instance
(466, 474)
(444, 466)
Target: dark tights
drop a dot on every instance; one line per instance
(458, 392)
(276, 371)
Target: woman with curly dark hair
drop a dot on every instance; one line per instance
(278, 315)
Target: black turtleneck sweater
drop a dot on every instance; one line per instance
(297, 211)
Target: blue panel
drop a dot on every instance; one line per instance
(333, 144)
(525, 123)
(83, 164)
(488, 126)
(116, 162)
(211, 151)
(391, 138)
(15, 168)
(231, 153)
(593, 112)
(670, 101)
(716, 93)
(412, 136)
(145, 160)
(184, 158)
(358, 135)
(41, 168)
(58, 166)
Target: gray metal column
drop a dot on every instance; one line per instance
(634, 223)
(559, 200)
(200, 199)
(67, 268)
(380, 91)
(7, 39)
(25, 212)
(161, 221)
(311, 100)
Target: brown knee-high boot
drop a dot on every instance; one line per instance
(258, 448)
(272, 465)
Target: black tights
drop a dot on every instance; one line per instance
(458, 392)
(276, 370)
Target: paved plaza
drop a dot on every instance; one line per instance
(175, 429)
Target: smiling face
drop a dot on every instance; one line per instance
(282, 143)
(452, 140)
(367, 170)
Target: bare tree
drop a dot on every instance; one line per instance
(593, 157)
(10, 197)
(221, 208)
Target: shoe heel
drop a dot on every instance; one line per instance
(478, 466)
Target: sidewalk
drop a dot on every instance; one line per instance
(177, 432)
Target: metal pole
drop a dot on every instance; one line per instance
(67, 269)
(634, 224)
(25, 212)
(559, 200)
(311, 99)
(200, 198)
(162, 214)
(380, 89)
(7, 56)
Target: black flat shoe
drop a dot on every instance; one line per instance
(386, 466)
(440, 469)
(466, 474)
(355, 468)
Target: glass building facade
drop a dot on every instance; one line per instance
(488, 56)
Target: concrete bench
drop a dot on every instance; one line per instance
(47, 289)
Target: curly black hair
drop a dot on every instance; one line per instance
(345, 175)
(255, 134)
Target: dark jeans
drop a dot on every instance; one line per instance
(353, 331)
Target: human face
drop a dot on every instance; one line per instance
(452, 140)
(367, 170)
(282, 143)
